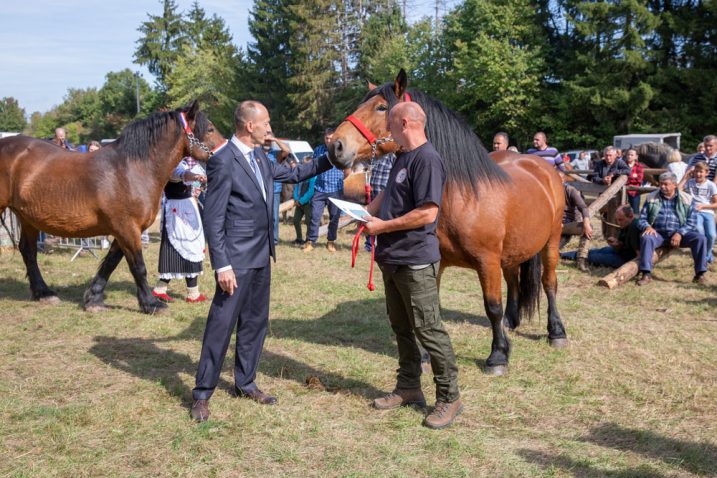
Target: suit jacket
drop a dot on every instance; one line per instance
(237, 219)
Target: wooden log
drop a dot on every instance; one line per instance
(343, 222)
(286, 206)
(630, 269)
(608, 194)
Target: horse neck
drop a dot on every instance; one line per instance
(166, 156)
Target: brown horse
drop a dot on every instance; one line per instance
(496, 214)
(114, 191)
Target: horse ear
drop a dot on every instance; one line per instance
(192, 109)
(371, 86)
(399, 86)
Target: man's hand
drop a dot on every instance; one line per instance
(608, 179)
(587, 229)
(612, 241)
(297, 203)
(373, 226)
(191, 177)
(676, 239)
(227, 281)
(649, 231)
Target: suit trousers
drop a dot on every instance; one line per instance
(247, 309)
(414, 312)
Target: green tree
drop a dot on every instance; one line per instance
(314, 78)
(214, 80)
(12, 117)
(161, 42)
(382, 45)
(497, 59)
(118, 100)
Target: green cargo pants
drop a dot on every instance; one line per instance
(414, 312)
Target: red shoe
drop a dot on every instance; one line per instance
(163, 297)
(201, 298)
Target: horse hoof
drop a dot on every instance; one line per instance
(559, 343)
(496, 370)
(50, 300)
(155, 308)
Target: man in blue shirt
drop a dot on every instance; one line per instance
(329, 184)
(276, 156)
(668, 215)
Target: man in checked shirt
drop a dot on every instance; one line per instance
(668, 215)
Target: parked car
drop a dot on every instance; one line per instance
(298, 150)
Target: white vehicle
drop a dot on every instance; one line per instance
(630, 140)
(298, 150)
(5, 134)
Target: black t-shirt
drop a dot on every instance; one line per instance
(417, 178)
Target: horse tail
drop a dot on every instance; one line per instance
(529, 287)
(7, 229)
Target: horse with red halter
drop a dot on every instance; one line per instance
(113, 191)
(497, 214)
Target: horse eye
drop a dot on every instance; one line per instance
(382, 107)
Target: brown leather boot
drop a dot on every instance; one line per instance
(308, 247)
(200, 410)
(401, 397)
(645, 279)
(330, 246)
(443, 415)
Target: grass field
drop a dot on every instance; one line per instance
(635, 393)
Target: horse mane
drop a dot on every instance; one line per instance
(464, 157)
(140, 136)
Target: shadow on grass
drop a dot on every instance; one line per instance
(360, 323)
(583, 468)
(699, 458)
(146, 359)
(17, 289)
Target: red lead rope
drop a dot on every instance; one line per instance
(357, 242)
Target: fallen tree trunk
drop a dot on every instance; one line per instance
(630, 269)
(343, 222)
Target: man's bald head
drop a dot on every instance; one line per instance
(410, 111)
(247, 111)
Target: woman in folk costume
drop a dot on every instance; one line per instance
(181, 250)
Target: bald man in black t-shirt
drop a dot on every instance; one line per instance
(406, 215)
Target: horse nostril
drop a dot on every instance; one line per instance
(339, 146)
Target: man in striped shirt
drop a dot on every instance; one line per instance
(548, 153)
(709, 156)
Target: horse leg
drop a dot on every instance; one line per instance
(28, 249)
(490, 280)
(511, 319)
(556, 332)
(133, 253)
(94, 298)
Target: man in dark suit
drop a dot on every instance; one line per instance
(237, 222)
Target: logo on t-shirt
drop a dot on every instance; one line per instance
(401, 176)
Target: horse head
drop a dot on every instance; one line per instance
(201, 138)
(364, 134)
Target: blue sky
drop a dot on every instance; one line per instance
(47, 46)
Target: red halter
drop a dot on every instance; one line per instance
(373, 141)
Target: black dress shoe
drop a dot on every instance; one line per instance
(257, 395)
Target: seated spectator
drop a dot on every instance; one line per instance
(704, 199)
(709, 156)
(582, 162)
(548, 153)
(668, 216)
(635, 178)
(93, 146)
(676, 165)
(619, 250)
(575, 210)
(303, 192)
(608, 168)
